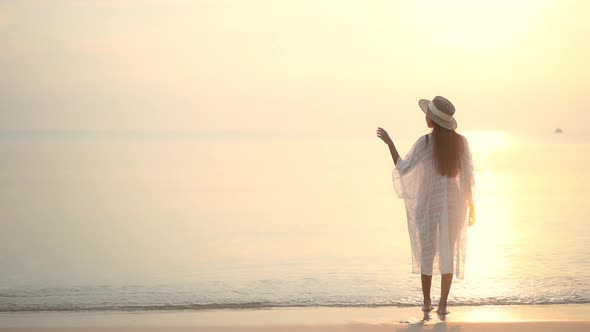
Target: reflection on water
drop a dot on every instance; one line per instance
(188, 222)
(492, 240)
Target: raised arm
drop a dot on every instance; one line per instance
(381, 133)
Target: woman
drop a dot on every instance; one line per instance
(436, 181)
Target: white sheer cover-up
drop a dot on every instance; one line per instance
(436, 208)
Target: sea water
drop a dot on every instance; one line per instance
(129, 221)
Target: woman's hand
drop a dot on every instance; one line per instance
(385, 137)
(382, 134)
(471, 215)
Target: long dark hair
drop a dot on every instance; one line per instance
(448, 148)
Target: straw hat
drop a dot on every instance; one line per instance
(439, 110)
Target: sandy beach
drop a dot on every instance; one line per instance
(455, 327)
(538, 318)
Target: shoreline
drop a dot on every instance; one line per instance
(444, 327)
(256, 306)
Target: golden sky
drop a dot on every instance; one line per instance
(305, 67)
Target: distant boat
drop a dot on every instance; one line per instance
(558, 131)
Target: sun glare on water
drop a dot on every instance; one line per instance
(493, 209)
(484, 144)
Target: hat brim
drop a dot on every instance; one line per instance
(423, 103)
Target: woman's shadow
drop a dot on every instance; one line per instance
(432, 323)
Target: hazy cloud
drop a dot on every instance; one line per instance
(287, 65)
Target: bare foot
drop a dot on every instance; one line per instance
(427, 305)
(442, 309)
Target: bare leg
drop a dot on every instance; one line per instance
(446, 280)
(426, 282)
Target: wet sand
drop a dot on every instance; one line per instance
(537, 318)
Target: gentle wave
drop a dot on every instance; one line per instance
(321, 291)
(268, 305)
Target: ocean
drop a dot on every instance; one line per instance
(144, 221)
